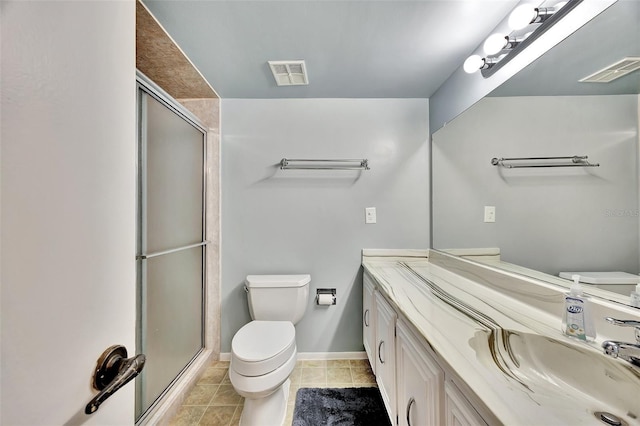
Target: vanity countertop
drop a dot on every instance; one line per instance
(458, 316)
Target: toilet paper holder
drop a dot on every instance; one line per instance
(324, 300)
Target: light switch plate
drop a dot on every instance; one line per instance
(370, 215)
(489, 214)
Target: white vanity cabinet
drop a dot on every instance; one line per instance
(417, 387)
(458, 410)
(385, 318)
(368, 320)
(419, 381)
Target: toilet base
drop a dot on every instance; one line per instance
(268, 411)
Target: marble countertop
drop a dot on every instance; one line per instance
(457, 316)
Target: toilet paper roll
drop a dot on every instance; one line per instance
(325, 299)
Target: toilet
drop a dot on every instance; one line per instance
(618, 282)
(263, 352)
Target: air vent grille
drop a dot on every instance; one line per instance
(613, 71)
(289, 73)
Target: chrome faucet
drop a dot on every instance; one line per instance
(628, 351)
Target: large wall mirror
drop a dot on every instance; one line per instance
(550, 220)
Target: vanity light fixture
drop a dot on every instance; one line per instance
(527, 14)
(497, 42)
(477, 62)
(500, 48)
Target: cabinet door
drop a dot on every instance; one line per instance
(385, 354)
(420, 381)
(459, 411)
(368, 320)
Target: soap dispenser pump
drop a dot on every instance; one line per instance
(635, 297)
(576, 319)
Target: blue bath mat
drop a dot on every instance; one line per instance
(344, 407)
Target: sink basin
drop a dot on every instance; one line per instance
(574, 377)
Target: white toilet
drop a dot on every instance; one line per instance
(263, 352)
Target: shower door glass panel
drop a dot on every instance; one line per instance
(170, 269)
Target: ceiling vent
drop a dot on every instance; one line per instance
(289, 73)
(613, 71)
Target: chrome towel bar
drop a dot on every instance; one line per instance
(573, 161)
(308, 164)
(162, 253)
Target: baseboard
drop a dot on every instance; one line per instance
(305, 356)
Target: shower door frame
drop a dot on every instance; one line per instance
(163, 403)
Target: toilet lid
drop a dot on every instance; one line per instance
(262, 346)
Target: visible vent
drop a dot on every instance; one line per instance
(289, 73)
(613, 71)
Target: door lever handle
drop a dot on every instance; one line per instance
(113, 371)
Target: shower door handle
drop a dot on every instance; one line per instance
(113, 371)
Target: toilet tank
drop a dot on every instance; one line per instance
(278, 297)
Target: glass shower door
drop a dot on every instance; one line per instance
(171, 246)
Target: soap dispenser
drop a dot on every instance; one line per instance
(576, 319)
(635, 297)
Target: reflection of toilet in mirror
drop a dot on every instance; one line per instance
(617, 282)
(263, 352)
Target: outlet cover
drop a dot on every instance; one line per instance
(489, 214)
(370, 215)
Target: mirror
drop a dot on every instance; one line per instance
(550, 219)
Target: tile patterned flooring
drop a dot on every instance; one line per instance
(214, 402)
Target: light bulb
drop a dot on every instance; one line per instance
(522, 16)
(494, 43)
(473, 64)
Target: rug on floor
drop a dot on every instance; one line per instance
(344, 407)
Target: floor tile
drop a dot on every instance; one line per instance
(220, 364)
(339, 375)
(338, 363)
(225, 379)
(235, 421)
(296, 376)
(200, 395)
(314, 363)
(314, 376)
(214, 401)
(293, 390)
(226, 395)
(188, 416)
(359, 363)
(212, 376)
(362, 375)
(218, 415)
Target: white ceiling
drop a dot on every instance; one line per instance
(352, 49)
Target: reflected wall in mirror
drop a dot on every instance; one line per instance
(550, 219)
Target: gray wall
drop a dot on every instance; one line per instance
(552, 220)
(284, 222)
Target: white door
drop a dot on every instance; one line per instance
(68, 206)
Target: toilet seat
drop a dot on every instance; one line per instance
(261, 347)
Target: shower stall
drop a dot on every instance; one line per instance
(171, 242)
